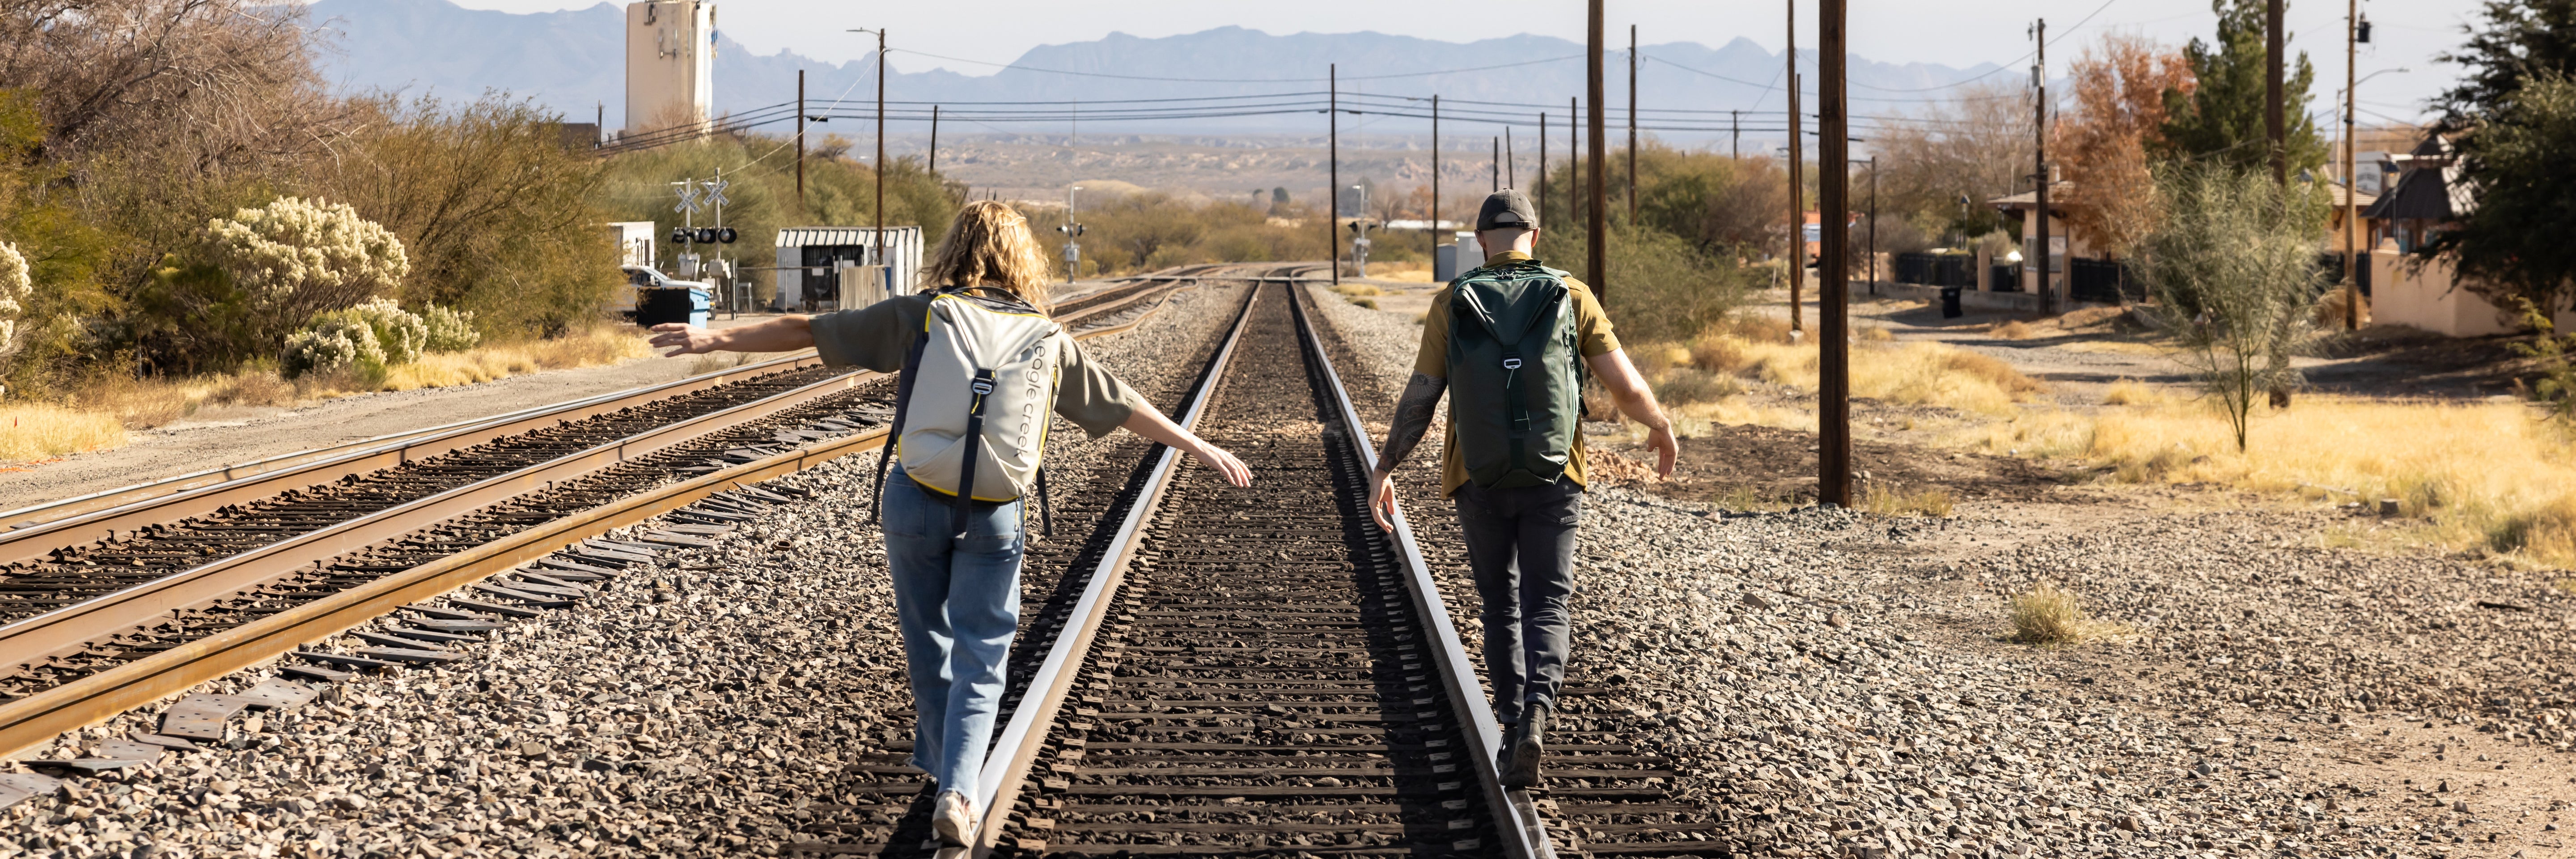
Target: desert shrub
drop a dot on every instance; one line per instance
(401, 335)
(2234, 274)
(295, 257)
(1663, 288)
(449, 330)
(15, 287)
(2048, 614)
(334, 344)
(1686, 385)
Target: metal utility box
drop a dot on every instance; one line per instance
(809, 259)
(689, 304)
(1451, 260)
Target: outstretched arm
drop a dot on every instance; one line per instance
(783, 334)
(1638, 402)
(1150, 423)
(1413, 411)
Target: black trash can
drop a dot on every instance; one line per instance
(1950, 303)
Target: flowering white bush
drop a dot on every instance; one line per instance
(332, 344)
(15, 285)
(450, 330)
(307, 253)
(401, 334)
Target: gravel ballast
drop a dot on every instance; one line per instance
(697, 707)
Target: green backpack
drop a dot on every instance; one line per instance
(1515, 374)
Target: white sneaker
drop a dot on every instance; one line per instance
(953, 819)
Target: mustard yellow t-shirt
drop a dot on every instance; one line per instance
(1593, 336)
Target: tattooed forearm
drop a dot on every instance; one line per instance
(1413, 413)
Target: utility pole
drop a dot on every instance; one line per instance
(1599, 259)
(1873, 224)
(1833, 266)
(1542, 167)
(1735, 133)
(1435, 177)
(1497, 165)
(1797, 190)
(2351, 176)
(2039, 80)
(1632, 124)
(879, 168)
(1333, 153)
(800, 143)
(934, 140)
(1511, 164)
(1573, 159)
(2275, 126)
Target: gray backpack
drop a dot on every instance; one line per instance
(974, 400)
(1515, 374)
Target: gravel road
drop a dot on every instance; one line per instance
(700, 708)
(1840, 684)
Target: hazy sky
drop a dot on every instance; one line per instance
(2407, 34)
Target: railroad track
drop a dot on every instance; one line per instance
(1248, 673)
(107, 608)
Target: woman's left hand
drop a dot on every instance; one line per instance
(1215, 457)
(682, 339)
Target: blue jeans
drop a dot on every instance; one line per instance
(959, 605)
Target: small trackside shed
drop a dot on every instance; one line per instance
(810, 259)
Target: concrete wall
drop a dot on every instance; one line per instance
(2430, 298)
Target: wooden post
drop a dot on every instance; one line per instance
(800, 143)
(1833, 262)
(1797, 189)
(1596, 272)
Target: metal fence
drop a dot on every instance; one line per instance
(1936, 269)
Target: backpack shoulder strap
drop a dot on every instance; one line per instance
(902, 401)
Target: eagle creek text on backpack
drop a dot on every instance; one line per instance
(1515, 374)
(971, 411)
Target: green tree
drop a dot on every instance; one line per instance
(2220, 115)
(2234, 272)
(2513, 118)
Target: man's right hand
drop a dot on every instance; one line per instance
(1382, 499)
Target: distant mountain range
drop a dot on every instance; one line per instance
(572, 61)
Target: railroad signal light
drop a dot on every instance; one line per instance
(726, 235)
(680, 236)
(706, 236)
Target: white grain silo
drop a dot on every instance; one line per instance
(670, 63)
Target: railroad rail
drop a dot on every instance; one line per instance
(192, 582)
(1240, 673)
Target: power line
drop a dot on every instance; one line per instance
(1235, 80)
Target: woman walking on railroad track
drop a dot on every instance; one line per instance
(1508, 343)
(982, 366)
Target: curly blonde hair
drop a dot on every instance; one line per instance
(989, 245)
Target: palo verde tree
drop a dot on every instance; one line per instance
(2234, 273)
(2513, 125)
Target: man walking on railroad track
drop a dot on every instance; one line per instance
(978, 343)
(1509, 343)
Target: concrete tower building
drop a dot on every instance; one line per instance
(670, 63)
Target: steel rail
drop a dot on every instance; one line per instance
(119, 512)
(1022, 739)
(69, 628)
(40, 717)
(1527, 836)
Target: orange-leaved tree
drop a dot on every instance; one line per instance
(2120, 85)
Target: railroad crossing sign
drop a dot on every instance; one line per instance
(715, 192)
(688, 197)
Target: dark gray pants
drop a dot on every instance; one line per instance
(1520, 542)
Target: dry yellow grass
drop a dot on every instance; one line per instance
(1369, 303)
(1358, 289)
(1888, 502)
(1422, 276)
(32, 431)
(2050, 615)
(2012, 330)
(123, 402)
(449, 369)
(2130, 392)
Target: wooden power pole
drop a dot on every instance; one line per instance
(1833, 262)
(2351, 176)
(2039, 78)
(1797, 188)
(1598, 261)
(1632, 125)
(2275, 126)
(1333, 153)
(800, 142)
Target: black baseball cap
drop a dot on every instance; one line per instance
(1507, 209)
